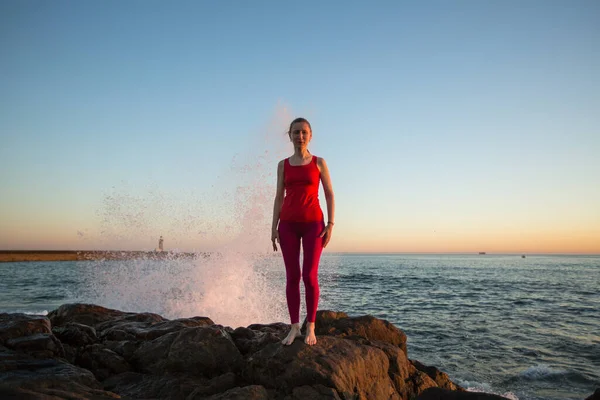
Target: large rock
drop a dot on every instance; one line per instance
(29, 334)
(253, 392)
(146, 327)
(353, 370)
(441, 378)
(86, 314)
(368, 327)
(315, 392)
(595, 396)
(145, 356)
(253, 338)
(75, 334)
(200, 351)
(134, 385)
(102, 362)
(14, 326)
(20, 372)
(40, 345)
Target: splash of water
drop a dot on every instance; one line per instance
(240, 282)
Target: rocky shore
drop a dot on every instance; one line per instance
(84, 351)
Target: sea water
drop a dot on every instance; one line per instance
(527, 328)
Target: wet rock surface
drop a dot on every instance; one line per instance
(84, 351)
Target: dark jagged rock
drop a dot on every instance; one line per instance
(441, 378)
(102, 361)
(338, 363)
(39, 345)
(47, 377)
(436, 393)
(595, 396)
(253, 392)
(200, 351)
(86, 314)
(253, 338)
(14, 326)
(75, 334)
(134, 385)
(368, 327)
(84, 351)
(315, 392)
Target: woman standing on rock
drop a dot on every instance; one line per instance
(298, 216)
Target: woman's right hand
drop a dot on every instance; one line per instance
(275, 238)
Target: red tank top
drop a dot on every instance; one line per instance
(301, 202)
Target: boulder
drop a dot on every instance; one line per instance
(339, 324)
(204, 351)
(253, 392)
(349, 368)
(441, 378)
(75, 334)
(14, 326)
(133, 385)
(253, 338)
(101, 361)
(595, 396)
(86, 314)
(315, 392)
(41, 345)
(20, 372)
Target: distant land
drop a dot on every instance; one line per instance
(85, 255)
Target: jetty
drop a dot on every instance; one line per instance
(87, 255)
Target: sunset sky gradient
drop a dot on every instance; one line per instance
(448, 126)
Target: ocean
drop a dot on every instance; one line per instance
(527, 328)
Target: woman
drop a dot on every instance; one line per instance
(298, 216)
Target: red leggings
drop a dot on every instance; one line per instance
(290, 234)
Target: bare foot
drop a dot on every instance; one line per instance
(294, 333)
(310, 338)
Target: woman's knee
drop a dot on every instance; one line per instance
(310, 282)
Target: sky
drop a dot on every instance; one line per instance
(459, 126)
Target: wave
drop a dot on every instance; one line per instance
(28, 312)
(479, 387)
(542, 372)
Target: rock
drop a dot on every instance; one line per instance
(205, 351)
(445, 394)
(40, 345)
(253, 392)
(595, 396)
(101, 361)
(441, 378)
(351, 369)
(134, 385)
(75, 334)
(18, 325)
(149, 328)
(315, 392)
(408, 381)
(86, 314)
(145, 356)
(124, 348)
(253, 338)
(368, 327)
(216, 385)
(49, 377)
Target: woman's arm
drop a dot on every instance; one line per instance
(277, 204)
(329, 198)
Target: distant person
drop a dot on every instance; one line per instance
(160, 244)
(297, 216)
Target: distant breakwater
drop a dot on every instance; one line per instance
(86, 255)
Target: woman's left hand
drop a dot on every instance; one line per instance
(326, 234)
